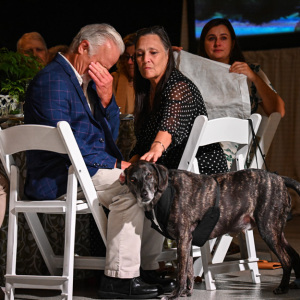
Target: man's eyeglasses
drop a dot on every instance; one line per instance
(127, 57)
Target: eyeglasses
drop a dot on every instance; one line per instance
(127, 57)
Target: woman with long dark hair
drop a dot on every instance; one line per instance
(218, 42)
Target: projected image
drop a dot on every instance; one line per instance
(250, 17)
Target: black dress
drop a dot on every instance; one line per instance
(181, 103)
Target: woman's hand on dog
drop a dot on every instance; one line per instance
(160, 144)
(154, 154)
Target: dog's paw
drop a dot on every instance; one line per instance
(186, 293)
(280, 290)
(295, 285)
(173, 296)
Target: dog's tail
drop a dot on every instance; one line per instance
(291, 183)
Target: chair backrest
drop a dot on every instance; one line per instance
(28, 137)
(58, 139)
(205, 132)
(265, 135)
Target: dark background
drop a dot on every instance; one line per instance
(58, 21)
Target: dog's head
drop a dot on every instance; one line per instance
(146, 181)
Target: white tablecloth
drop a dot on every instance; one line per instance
(225, 94)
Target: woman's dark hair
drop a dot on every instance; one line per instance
(236, 53)
(142, 86)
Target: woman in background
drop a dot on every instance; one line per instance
(124, 94)
(123, 77)
(218, 42)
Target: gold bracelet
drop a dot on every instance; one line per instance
(160, 144)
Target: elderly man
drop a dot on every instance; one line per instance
(32, 43)
(77, 87)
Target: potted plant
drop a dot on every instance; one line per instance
(16, 70)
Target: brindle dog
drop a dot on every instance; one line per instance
(248, 198)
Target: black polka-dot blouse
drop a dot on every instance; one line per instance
(181, 103)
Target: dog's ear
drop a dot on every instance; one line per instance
(123, 177)
(163, 176)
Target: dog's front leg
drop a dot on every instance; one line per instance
(184, 281)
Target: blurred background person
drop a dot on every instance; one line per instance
(32, 43)
(55, 49)
(124, 95)
(123, 77)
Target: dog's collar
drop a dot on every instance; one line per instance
(159, 215)
(154, 220)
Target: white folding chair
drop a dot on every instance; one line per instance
(206, 132)
(265, 134)
(58, 139)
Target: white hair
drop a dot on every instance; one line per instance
(97, 35)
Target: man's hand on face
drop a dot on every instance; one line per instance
(103, 81)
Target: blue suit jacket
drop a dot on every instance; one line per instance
(55, 95)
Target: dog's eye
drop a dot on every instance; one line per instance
(133, 179)
(149, 175)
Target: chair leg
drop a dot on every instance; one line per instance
(198, 267)
(250, 244)
(217, 257)
(252, 256)
(70, 224)
(9, 292)
(221, 249)
(12, 235)
(206, 262)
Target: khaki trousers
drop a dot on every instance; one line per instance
(131, 242)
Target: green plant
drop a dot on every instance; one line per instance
(16, 70)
